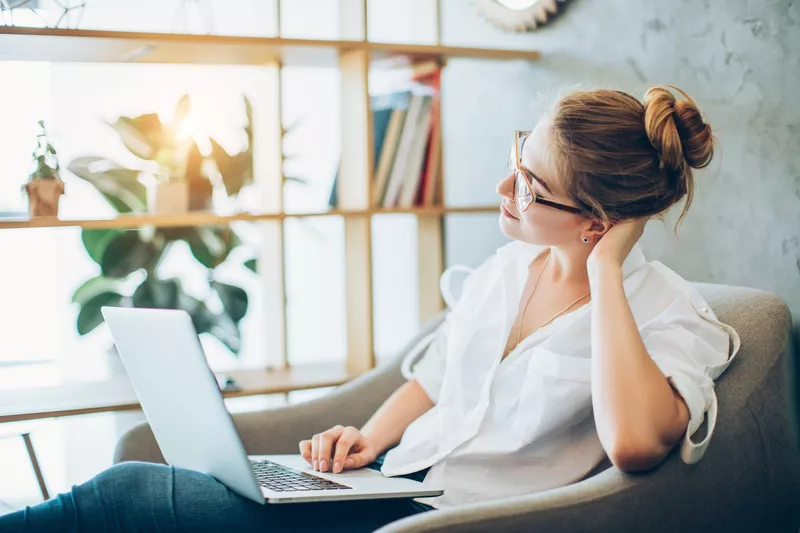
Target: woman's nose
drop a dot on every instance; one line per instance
(505, 187)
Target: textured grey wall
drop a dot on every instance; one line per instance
(739, 59)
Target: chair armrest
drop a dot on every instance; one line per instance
(609, 502)
(279, 430)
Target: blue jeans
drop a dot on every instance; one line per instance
(147, 497)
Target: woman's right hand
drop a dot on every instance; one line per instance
(339, 448)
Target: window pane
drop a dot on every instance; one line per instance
(315, 290)
(40, 272)
(394, 282)
(65, 96)
(313, 141)
(45, 269)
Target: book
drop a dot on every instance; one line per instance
(405, 145)
(387, 116)
(383, 106)
(430, 173)
(386, 156)
(427, 192)
(416, 156)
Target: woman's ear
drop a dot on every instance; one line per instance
(598, 228)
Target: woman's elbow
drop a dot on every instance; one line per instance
(634, 456)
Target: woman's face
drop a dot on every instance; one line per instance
(539, 224)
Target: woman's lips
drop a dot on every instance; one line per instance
(506, 213)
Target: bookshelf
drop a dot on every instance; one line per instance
(354, 59)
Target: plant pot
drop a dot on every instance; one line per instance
(201, 193)
(169, 197)
(44, 196)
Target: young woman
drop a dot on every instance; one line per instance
(566, 347)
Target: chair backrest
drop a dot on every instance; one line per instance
(750, 473)
(752, 460)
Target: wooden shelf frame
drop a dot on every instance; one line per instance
(354, 59)
(211, 219)
(101, 46)
(80, 398)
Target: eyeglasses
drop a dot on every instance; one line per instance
(523, 193)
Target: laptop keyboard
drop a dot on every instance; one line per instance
(282, 479)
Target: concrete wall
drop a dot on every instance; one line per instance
(739, 59)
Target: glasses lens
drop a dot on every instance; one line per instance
(522, 193)
(520, 140)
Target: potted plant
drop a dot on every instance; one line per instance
(44, 187)
(177, 175)
(129, 260)
(184, 179)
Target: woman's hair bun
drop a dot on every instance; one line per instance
(676, 129)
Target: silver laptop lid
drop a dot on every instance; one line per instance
(180, 396)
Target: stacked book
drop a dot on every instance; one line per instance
(406, 135)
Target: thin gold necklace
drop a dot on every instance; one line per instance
(536, 284)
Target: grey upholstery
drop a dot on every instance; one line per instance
(749, 479)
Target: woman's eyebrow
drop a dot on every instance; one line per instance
(537, 178)
(534, 176)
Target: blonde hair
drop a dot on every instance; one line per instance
(620, 158)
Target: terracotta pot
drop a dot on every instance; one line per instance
(169, 197)
(43, 197)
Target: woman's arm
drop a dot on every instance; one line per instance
(387, 425)
(347, 447)
(639, 416)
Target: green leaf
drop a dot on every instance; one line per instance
(251, 264)
(126, 254)
(219, 326)
(119, 185)
(211, 245)
(236, 171)
(234, 300)
(90, 316)
(142, 135)
(96, 240)
(158, 294)
(94, 286)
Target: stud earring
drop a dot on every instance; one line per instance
(586, 240)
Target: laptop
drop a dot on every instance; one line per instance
(181, 399)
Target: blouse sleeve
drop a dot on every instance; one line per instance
(692, 348)
(430, 369)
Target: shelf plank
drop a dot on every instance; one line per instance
(210, 219)
(102, 46)
(77, 398)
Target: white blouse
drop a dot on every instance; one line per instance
(501, 429)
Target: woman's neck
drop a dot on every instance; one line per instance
(568, 264)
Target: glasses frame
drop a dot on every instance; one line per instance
(520, 175)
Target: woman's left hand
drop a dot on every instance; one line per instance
(616, 244)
